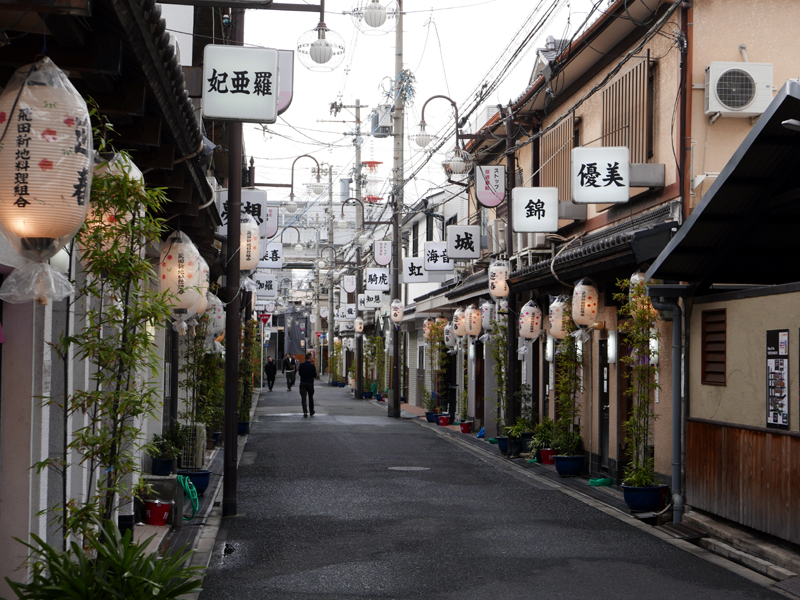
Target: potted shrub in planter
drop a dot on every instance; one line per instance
(542, 441)
(567, 442)
(640, 485)
(164, 453)
(497, 348)
(515, 443)
(429, 404)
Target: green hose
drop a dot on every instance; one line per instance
(190, 491)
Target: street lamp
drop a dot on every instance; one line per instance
(320, 49)
(291, 206)
(457, 162)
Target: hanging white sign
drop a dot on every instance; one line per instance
(286, 81)
(267, 286)
(269, 306)
(601, 175)
(349, 312)
(349, 283)
(371, 300)
(254, 203)
(240, 83)
(383, 252)
(464, 241)
(378, 279)
(414, 270)
(323, 312)
(273, 257)
(312, 319)
(535, 210)
(436, 258)
(490, 187)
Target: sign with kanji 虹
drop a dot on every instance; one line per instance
(254, 203)
(240, 83)
(273, 257)
(464, 241)
(414, 270)
(534, 210)
(436, 258)
(601, 175)
(371, 300)
(267, 285)
(382, 251)
(490, 185)
(349, 283)
(378, 279)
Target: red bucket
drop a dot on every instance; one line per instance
(156, 512)
(547, 456)
(444, 420)
(466, 426)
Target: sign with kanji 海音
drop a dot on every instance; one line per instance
(601, 175)
(240, 83)
(414, 270)
(436, 258)
(273, 257)
(464, 241)
(378, 280)
(534, 210)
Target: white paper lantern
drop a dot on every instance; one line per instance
(472, 321)
(488, 314)
(530, 321)
(179, 271)
(216, 315)
(202, 304)
(426, 328)
(459, 323)
(498, 279)
(396, 311)
(250, 244)
(558, 318)
(358, 324)
(584, 303)
(450, 339)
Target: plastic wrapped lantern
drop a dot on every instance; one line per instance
(179, 274)
(426, 328)
(558, 318)
(472, 321)
(459, 323)
(396, 309)
(216, 315)
(450, 339)
(498, 279)
(45, 176)
(584, 303)
(250, 245)
(358, 324)
(202, 305)
(530, 321)
(488, 314)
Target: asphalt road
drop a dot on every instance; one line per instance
(325, 514)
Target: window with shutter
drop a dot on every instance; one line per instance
(713, 347)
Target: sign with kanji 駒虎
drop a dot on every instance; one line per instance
(535, 210)
(240, 83)
(601, 175)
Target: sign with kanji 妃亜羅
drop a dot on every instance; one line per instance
(601, 175)
(240, 83)
(535, 210)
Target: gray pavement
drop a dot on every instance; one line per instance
(350, 504)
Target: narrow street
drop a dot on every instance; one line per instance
(350, 504)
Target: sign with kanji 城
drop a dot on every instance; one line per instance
(534, 210)
(490, 185)
(273, 257)
(414, 270)
(378, 280)
(601, 175)
(436, 258)
(464, 241)
(240, 83)
(382, 250)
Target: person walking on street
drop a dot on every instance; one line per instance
(270, 371)
(308, 373)
(290, 368)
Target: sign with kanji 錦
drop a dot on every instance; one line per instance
(490, 185)
(240, 83)
(436, 258)
(349, 283)
(601, 175)
(464, 241)
(534, 210)
(254, 203)
(382, 251)
(414, 270)
(273, 257)
(378, 280)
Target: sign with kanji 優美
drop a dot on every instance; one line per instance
(464, 241)
(436, 258)
(534, 210)
(601, 175)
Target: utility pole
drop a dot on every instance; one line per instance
(394, 397)
(511, 348)
(359, 225)
(330, 282)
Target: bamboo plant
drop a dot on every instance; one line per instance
(498, 349)
(567, 431)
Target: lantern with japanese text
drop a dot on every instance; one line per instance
(584, 303)
(498, 279)
(558, 318)
(45, 175)
(472, 321)
(250, 244)
(358, 324)
(459, 323)
(450, 339)
(488, 314)
(216, 315)
(179, 275)
(396, 311)
(530, 321)
(202, 304)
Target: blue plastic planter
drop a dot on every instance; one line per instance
(502, 443)
(569, 466)
(642, 499)
(200, 479)
(243, 427)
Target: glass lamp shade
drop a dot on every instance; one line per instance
(459, 323)
(422, 138)
(320, 49)
(457, 162)
(396, 311)
(530, 321)
(450, 339)
(299, 247)
(488, 314)
(558, 319)
(584, 303)
(472, 320)
(179, 271)
(364, 238)
(342, 223)
(375, 14)
(290, 206)
(317, 187)
(358, 324)
(216, 315)
(250, 243)
(321, 263)
(46, 165)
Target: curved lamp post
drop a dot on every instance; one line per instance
(291, 205)
(458, 162)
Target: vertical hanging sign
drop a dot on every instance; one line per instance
(490, 186)
(778, 379)
(349, 283)
(383, 252)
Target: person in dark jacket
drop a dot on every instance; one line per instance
(308, 373)
(270, 371)
(290, 368)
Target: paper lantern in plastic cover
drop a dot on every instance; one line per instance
(450, 339)
(584, 303)
(45, 160)
(472, 321)
(396, 311)
(498, 279)
(488, 314)
(426, 328)
(459, 323)
(530, 321)
(358, 324)
(179, 271)
(250, 247)
(202, 304)
(216, 315)
(558, 319)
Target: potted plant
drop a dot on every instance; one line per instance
(514, 432)
(164, 452)
(497, 348)
(335, 359)
(640, 485)
(542, 441)
(569, 458)
(429, 404)
(524, 396)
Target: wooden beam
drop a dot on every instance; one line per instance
(160, 157)
(129, 102)
(144, 132)
(101, 54)
(57, 7)
(193, 81)
(173, 180)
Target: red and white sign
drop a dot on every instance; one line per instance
(319, 333)
(383, 252)
(265, 317)
(349, 283)
(490, 185)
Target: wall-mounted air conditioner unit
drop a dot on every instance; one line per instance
(738, 89)
(496, 230)
(529, 241)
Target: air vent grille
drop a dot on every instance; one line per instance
(735, 89)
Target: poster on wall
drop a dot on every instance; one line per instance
(778, 378)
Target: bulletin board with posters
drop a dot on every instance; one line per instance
(778, 379)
